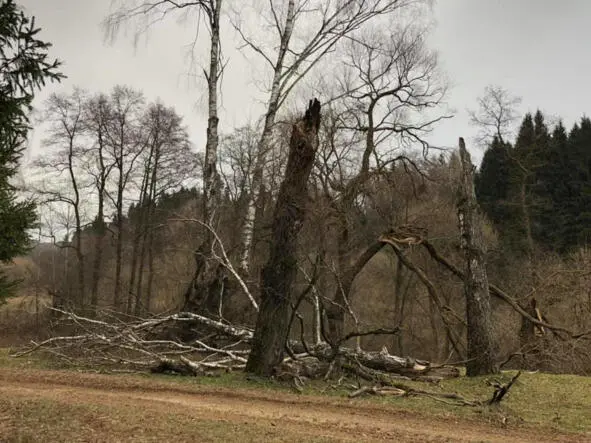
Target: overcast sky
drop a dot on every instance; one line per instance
(536, 49)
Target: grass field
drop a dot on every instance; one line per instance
(40, 401)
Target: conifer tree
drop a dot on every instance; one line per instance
(24, 68)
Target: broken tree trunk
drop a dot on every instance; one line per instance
(277, 276)
(481, 346)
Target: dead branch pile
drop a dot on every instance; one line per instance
(147, 344)
(401, 390)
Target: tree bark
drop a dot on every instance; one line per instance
(206, 287)
(265, 141)
(481, 344)
(277, 276)
(100, 225)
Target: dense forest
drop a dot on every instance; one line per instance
(333, 224)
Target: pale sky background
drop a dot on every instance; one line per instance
(536, 49)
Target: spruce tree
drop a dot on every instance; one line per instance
(24, 68)
(492, 181)
(579, 207)
(555, 193)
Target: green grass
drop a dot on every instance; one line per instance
(558, 402)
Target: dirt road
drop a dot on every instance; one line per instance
(67, 406)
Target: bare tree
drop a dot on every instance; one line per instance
(204, 285)
(167, 162)
(496, 114)
(98, 165)
(65, 113)
(481, 342)
(121, 139)
(388, 87)
(323, 25)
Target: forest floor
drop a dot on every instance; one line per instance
(41, 404)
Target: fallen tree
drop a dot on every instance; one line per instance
(147, 345)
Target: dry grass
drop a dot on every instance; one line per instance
(554, 406)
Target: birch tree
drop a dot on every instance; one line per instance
(306, 32)
(203, 289)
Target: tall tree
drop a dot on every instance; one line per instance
(24, 68)
(390, 78)
(205, 287)
(65, 114)
(99, 166)
(121, 135)
(305, 33)
(493, 180)
(481, 343)
(278, 275)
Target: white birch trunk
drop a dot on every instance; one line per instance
(265, 142)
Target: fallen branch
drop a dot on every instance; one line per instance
(431, 289)
(146, 344)
(496, 292)
(502, 389)
(399, 389)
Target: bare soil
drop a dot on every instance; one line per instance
(44, 405)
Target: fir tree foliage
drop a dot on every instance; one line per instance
(546, 175)
(24, 68)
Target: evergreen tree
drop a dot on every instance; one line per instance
(579, 207)
(541, 178)
(492, 181)
(555, 193)
(24, 68)
(517, 235)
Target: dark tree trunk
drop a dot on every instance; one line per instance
(481, 344)
(100, 225)
(272, 327)
(117, 302)
(132, 297)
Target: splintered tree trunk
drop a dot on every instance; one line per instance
(481, 346)
(277, 276)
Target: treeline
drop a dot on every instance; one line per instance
(105, 155)
(537, 190)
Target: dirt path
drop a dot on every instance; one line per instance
(118, 408)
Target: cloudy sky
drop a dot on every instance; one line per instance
(536, 49)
